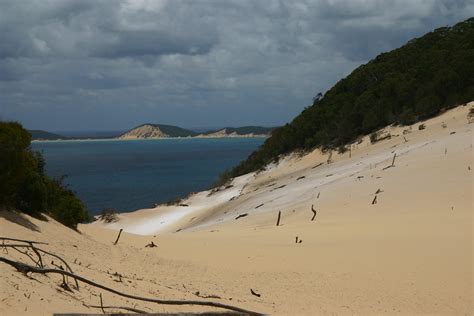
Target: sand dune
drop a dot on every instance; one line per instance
(410, 252)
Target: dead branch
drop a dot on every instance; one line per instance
(258, 206)
(25, 268)
(198, 294)
(374, 201)
(281, 186)
(43, 251)
(255, 293)
(22, 240)
(314, 212)
(300, 178)
(242, 215)
(319, 164)
(130, 309)
(101, 303)
(279, 217)
(118, 237)
(393, 162)
(151, 245)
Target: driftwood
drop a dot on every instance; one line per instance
(314, 212)
(255, 293)
(300, 178)
(242, 215)
(37, 251)
(22, 240)
(279, 217)
(319, 164)
(319, 193)
(118, 237)
(25, 268)
(393, 162)
(130, 309)
(281, 186)
(151, 245)
(198, 294)
(374, 201)
(260, 205)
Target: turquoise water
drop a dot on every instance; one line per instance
(128, 175)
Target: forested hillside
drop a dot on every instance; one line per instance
(413, 82)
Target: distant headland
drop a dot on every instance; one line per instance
(159, 131)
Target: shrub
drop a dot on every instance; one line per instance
(25, 187)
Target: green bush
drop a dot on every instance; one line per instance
(24, 186)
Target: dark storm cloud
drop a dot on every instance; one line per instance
(69, 64)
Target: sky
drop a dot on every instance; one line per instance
(115, 64)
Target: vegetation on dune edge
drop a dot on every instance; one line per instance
(412, 83)
(24, 185)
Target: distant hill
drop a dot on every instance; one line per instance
(148, 130)
(44, 135)
(408, 84)
(239, 131)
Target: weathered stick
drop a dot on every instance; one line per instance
(118, 237)
(24, 268)
(130, 309)
(101, 303)
(393, 161)
(374, 201)
(279, 217)
(255, 293)
(45, 252)
(22, 240)
(314, 212)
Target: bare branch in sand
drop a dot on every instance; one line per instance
(25, 268)
(118, 237)
(255, 293)
(374, 201)
(242, 215)
(393, 162)
(279, 217)
(314, 212)
(38, 251)
(22, 240)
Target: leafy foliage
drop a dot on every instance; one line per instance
(406, 85)
(24, 186)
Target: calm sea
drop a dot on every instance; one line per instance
(128, 175)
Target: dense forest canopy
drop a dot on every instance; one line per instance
(24, 186)
(411, 83)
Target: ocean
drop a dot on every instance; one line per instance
(129, 175)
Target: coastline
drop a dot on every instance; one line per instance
(142, 139)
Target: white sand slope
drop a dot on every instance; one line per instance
(410, 253)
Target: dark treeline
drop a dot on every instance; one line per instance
(403, 86)
(25, 187)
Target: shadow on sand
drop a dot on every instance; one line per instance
(21, 219)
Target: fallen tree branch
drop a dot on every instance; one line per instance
(45, 252)
(130, 309)
(118, 237)
(279, 217)
(25, 268)
(22, 240)
(314, 212)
